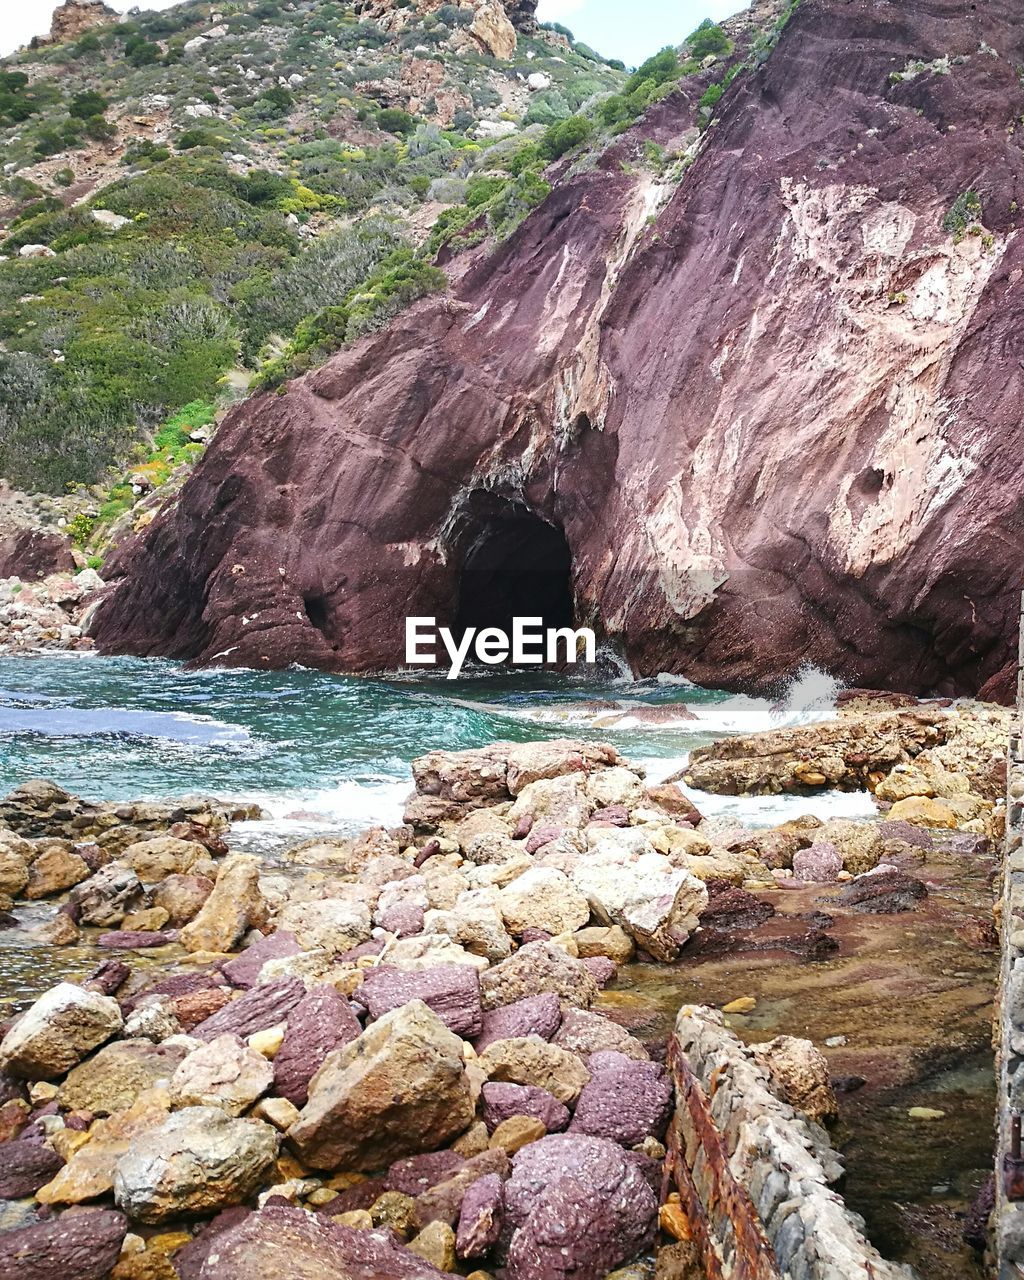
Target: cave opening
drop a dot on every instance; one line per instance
(515, 566)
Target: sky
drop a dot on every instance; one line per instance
(645, 27)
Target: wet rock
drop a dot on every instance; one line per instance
(860, 844)
(108, 895)
(543, 898)
(501, 1101)
(57, 1031)
(182, 897)
(282, 1240)
(576, 1206)
(584, 1033)
(883, 892)
(244, 970)
(732, 908)
(820, 863)
(533, 1061)
(224, 1073)
(161, 856)
(538, 967)
(54, 870)
(321, 1022)
(136, 939)
(451, 991)
(608, 941)
(628, 884)
(480, 1217)
(399, 1089)
(234, 906)
(24, 1167)
(15, 854)
(923, 812)
(83, 1245)
(198, 1161)
(113, 1077)
(601, 969)
(538, 1015)
(799, 1075)
(264, 1006)
(625, 1100)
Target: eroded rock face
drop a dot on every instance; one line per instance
(401, 1088)
(648, 414)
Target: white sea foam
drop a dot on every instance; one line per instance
(350, 806)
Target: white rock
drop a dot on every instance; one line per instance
(225, 1073)
(57, 1032)
(199, 111)
(538, 81)
(36, 251)
(495, 129)
(543, 898)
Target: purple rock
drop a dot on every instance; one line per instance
(523, 827)
(502, 1100)
(24, 1167)
(404, 919)
(443, 1202)
(908, 832)
(416, 1174)
(189, 1260)
(244, 970)
(372, 947)
(321, 1021)
(541, 835)
(602, 969)
(534, 1016)
(280, 1239)
(361, 1196)
(883, 892)
(108, 977)
(614, 815)
(264, 1006)
(451, 990)
(480, 1217)
(583, 1032)
(575, 1206)
(821, 863)
(81, 1245)
(136, 939)
(625, 1100)
(532, 934)
(178, 984)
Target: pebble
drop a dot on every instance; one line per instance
(925, 1113)
(744, 1004)
(835, 1042)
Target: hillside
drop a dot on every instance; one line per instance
(183, 189)
(759, 405)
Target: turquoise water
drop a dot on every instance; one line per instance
(317, 749)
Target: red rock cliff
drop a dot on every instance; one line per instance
(774, 409)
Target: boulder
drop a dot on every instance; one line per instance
(161, 856)
(501, 1101)
(399, 1089)
(321, 1021)
(198, 1161)
(885, 891)
(860, 844)
(480, 1217)
(24, 1167)
(609, 941)
(54, 870)
(82, 1246)
(56, 1032)
(443, 1201)
(799, 1075)
(538, 967)
(576, 1206)
(537, 1015)
(14, 859)
(182, 897)
(625, 1100)
(533, 1061)
(413, 1175)
(543, 898)
(113, 1078)
(584, 1033)
(108, 895)
(224, 1073)
(280, 1240)
(820, 863)
(924, 812)
(244, 970)
(452, 991)
(234, 906)
(264, 1006)
(331, 924)
(474, 920)
(657, 904)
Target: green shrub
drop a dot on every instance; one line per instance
(708, 38)
(395, 120)
(965, 209)
(661, 67)
(88, 103)
(710, 96)
(564, 136)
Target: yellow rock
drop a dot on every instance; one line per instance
(289, 1167)
(923, 812)
(357, 1219)
(436, 1243)
(517, 1132)
(322, 1195)
(168, 1241)
(281, 1113)
(42, 1091)
(267, 1042)
(745, 1004)
(67, 1141)
(925, 1113)
(673, 1220)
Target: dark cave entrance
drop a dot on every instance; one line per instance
(515, 566)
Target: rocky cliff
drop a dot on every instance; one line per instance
(769, 412)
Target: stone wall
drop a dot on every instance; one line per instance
(1008, 1216)
(760, 1168)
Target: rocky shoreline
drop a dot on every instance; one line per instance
(382, 1055)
